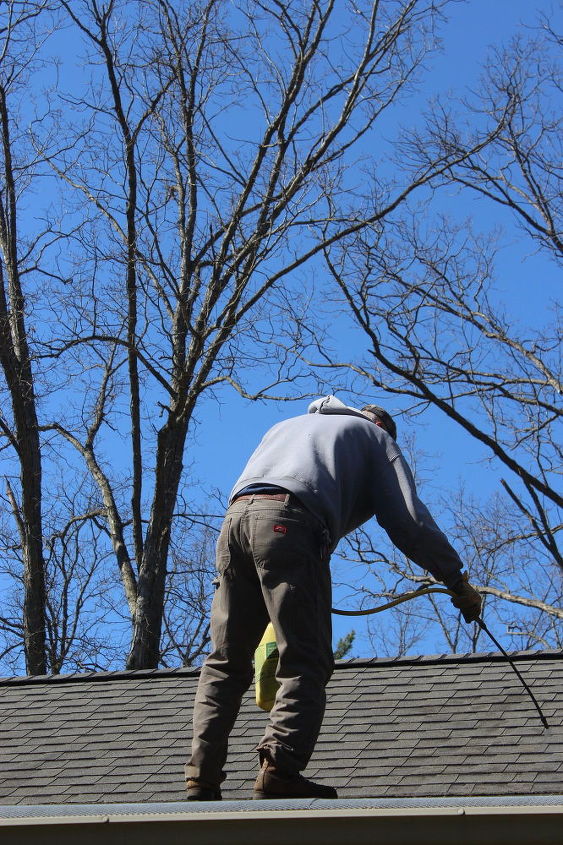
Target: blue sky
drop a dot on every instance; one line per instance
(525, 282)
(232, 429)
(226, 430)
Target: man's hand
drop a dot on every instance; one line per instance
(467, 599)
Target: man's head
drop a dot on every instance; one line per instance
(380, 417)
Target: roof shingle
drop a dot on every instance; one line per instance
(438, 726)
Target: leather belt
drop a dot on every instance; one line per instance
(279, 497)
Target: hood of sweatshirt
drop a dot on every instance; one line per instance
(332, 405)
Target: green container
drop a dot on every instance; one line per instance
(265, 668)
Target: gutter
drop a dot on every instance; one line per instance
(535, 820)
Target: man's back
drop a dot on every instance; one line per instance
(345, 470)
(330, 462)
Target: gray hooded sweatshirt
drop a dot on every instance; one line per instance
(344, 469)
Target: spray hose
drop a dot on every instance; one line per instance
(424, 591)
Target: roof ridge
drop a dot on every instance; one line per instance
(359, 662)
(109, 675)
(465, 657)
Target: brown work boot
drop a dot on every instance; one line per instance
(271, 783)
(200, 790)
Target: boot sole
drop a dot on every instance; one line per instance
(271, 796)
(197, 791)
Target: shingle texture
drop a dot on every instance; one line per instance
(440, 726)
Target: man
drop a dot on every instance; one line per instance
(312, 479)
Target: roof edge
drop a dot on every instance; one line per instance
(415, 660)
(154, 808)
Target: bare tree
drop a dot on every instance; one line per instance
(522, 598)
(437, 338)
(422, 292)
(424, 306)
(203, 216)
(214, 153)
(521, 169)
(21, 41)
(77, 584)
(189, 591)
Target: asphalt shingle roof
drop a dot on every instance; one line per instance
(457, 725)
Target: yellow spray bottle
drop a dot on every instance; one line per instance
(265, 667)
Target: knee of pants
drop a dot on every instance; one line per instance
(311, 664)
(229, 663)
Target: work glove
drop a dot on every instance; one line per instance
(467, 599)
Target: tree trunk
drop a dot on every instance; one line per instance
(34, 564)
(15, 360)
(145, 646)
(29, 520)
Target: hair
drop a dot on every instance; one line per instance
(382, 416)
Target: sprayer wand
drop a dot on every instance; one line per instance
(425, 591)
(484, 628)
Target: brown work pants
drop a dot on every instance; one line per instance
(272, 559)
